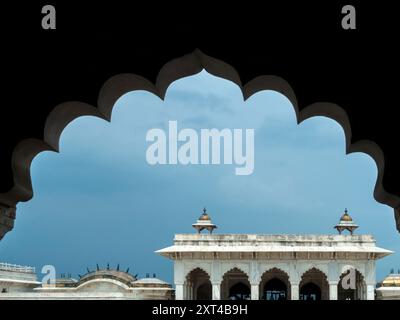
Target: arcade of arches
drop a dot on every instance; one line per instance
(274, 285)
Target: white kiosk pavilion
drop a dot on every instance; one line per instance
(274, 267)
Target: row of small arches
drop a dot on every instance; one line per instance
(274, 285)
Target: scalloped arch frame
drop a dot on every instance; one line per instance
(207, 272)
(314, 269)
(178, 68)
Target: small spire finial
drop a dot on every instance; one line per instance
(204, 210)
(345, 210)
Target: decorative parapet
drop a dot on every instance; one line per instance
(16, 273)
(16, 268)
(273, 239)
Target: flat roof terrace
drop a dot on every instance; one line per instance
(275, 243)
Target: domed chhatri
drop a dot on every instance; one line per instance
(204, 222)
(346, 223)
(392, 280)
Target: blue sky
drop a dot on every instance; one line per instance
(99, 201)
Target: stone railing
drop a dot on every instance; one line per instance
(16, 268)
(274, 239)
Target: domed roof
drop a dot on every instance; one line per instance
(150, 282)
(205, 216)
(392, 280)
(121, 276)
(346, 217)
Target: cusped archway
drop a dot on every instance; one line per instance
(187, 65)
(197, 285)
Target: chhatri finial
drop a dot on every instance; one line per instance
(204, 222)
(346, 223)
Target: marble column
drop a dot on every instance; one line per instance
(294, 286)
(179, 292)
(333, 290)
(255, 291)
(189, 294)
(216, 290)
(370, 292)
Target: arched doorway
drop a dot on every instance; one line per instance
(239, 291)
(275, 285)
(310, 291)
(314, 285)
(351, 285)
(275, 289)
(198, 285)
(235, 285)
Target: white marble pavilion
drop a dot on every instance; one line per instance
(274, 267)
